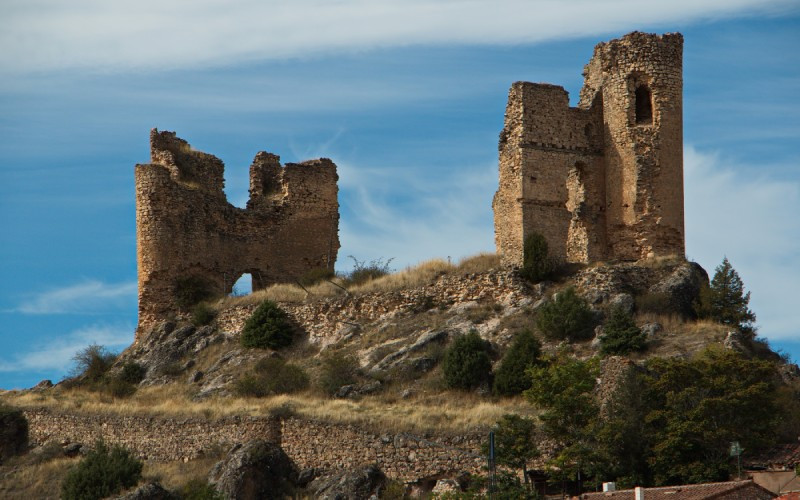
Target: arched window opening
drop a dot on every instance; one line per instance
(243, 286)
(644, 106)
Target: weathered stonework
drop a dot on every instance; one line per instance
(603, 180)
(185, 227)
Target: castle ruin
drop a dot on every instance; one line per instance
(185, 227)
(603, 180)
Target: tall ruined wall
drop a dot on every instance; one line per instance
(598, 181)
(185, 227)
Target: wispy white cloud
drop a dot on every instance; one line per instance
(88, 297)
(753, 220)
(50, 34)
(55, 354)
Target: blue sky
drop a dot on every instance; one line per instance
(406, 97)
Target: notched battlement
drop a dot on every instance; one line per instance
(186, 229)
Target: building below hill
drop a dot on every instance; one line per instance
(731, 490)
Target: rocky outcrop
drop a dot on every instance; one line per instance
(682, 287)
(254, 470)
(149, 491)
(361, 483)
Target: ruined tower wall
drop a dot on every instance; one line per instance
(644, 156)
(186, 228)
(598, 181)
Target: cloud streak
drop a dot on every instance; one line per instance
(88, 297)
(751, 219)
(55, 354)
(52, 35)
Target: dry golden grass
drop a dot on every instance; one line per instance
(411, 277)
(480, 263)
(34, 481)
(443, 411)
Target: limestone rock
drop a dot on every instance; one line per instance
(257, 469)
(361, 483)
(682, 287)
(623, 301)
(44, 384)
(652, 329)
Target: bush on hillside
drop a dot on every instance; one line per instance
(202, 314)
(132, 372)
(197, 489)
(621, 335)
(92, 363)
(13, 432)
(316, 275)
(102, 473)
(511, 376)
(338, 370)
(536, 264)
(725, 301)
(192, 290)
(466, 362)
(366, 271)
(268, 328)
(568, 317)
(272, 376)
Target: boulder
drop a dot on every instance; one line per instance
(623, 301)
(682, 287)
(361, 483)
(254, 470)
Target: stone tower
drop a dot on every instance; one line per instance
(185, 227)
(603, 180)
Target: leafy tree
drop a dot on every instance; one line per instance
(566, 317)
(268, 327)
(102, 473)
(511, 376)
(725, 301)
(514, 446)
(621, 335)
(92, 362)
(564, 390)
(536, 264)
(466, 362)
(699, 406)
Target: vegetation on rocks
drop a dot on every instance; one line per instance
(272, 376)
(338, 370)
(268, 328)
(103, 472)
(511, 376)
(13, 432)
(567, 317)
(621, 335)
(466, 362)
(537, 264)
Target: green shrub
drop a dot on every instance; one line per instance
(197, 489)
(203, 314)
(272, 376)
(132, 372)
(725, 301)
(92, 363)
(511, 376)
(363, 271)
(536, 263)
(621, 335)
(337, 371)
(192, 290)
(568, 317)
(102, 473)
(268, 327)
(466, 362)
(13, 432)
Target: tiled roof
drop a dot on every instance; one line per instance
(702, 491)
(784, 454)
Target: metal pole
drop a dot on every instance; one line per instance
(491, 465)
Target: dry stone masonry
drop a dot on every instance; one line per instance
(185, 227)
(603, 180)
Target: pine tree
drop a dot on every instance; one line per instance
(725, 301)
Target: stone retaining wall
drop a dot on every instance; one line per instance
(310, 444)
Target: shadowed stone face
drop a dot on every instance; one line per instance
(603, 180)
(188, 232)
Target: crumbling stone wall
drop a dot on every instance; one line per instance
(186, 228)
(603, 180)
